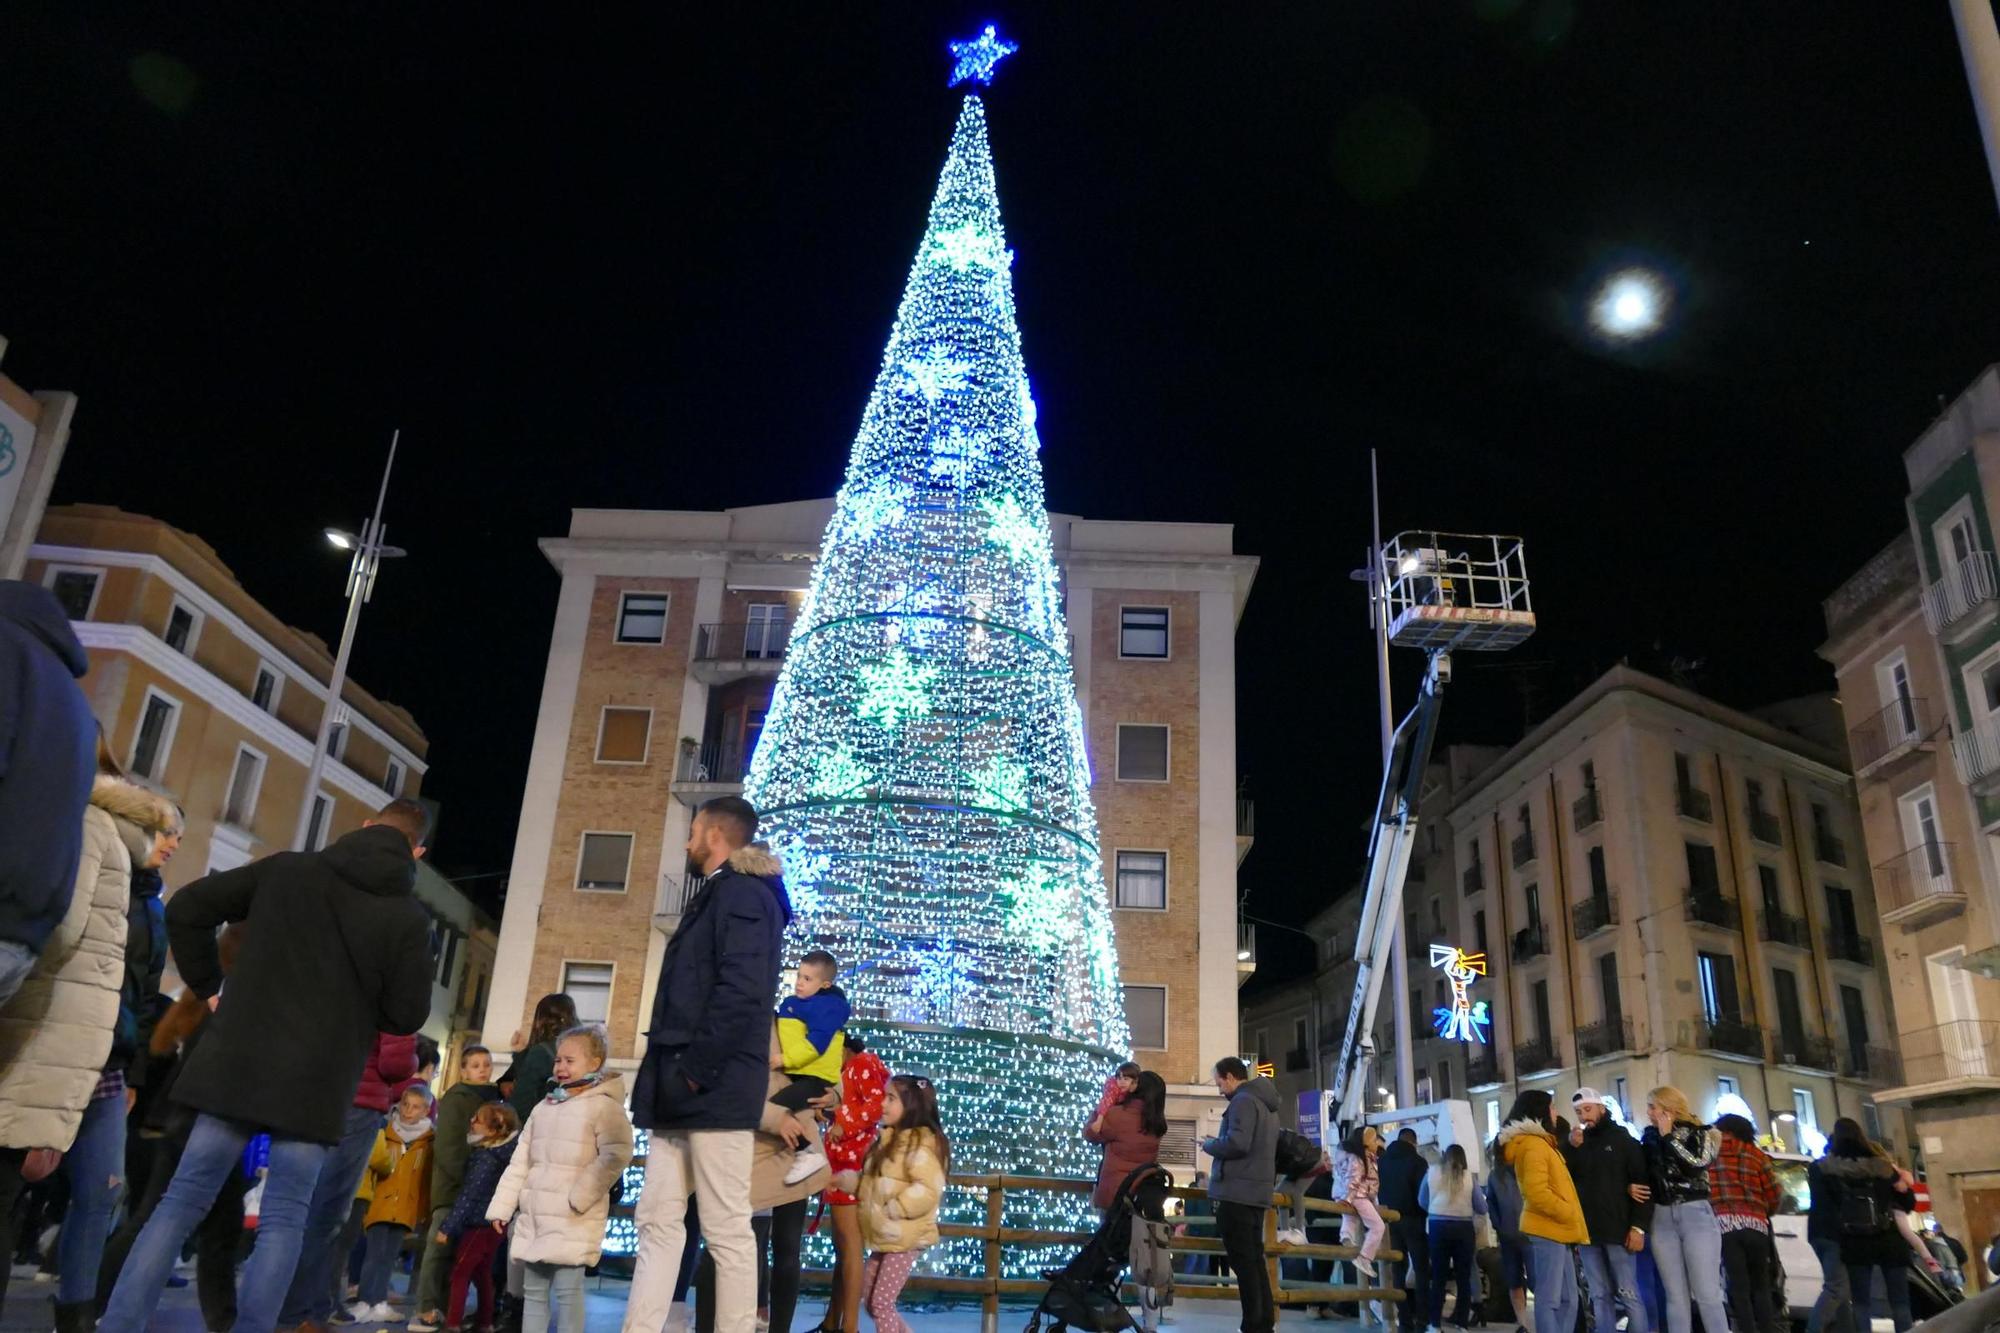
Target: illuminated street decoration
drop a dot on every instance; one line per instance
(1464, 1019)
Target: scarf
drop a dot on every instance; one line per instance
(564, 1092)
(409, 1133)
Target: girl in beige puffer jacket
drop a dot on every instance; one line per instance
(902, 1184)
(578, 1141)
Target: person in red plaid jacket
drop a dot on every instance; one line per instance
(1744, 1194)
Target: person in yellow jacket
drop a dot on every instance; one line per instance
(1551, 1214)
(902, 1184)
(400, 1168)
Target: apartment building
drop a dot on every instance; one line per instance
(669, 633)
(1670, 891)
(1914, 637)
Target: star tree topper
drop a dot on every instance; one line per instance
(974, 60)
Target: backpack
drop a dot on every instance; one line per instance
(1505, 1188)
(1861, 1214)
(1296, 1154)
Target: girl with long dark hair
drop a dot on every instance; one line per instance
(1856, 1193)
(1551, 1214)
(1129, 1131)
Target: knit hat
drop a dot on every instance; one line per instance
(1587, 1095)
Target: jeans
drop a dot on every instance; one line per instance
(311, 1295)
(385, 1243)
(16, 962)
(560, 1285)
(1552, 1277)
(1452, 1246)
(1613, 1274)
(214, 1150)
(1895, 1285)
(1687, 1249)
(1242, 1228)
(1751, 1262)
(95, 1165)
(1833, 1312)
(714, 1165)
(1411, 1237)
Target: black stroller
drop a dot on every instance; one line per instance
(1083, 1293)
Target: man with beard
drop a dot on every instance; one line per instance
(1605, 1161)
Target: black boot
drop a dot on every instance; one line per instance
(509, 1310)
(75, 1317)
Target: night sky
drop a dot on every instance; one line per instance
(654, 264)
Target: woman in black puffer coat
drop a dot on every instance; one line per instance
(1856, 1193)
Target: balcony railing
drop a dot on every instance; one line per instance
(1482, 1070)
(673, 895)
(1695, 805)
(755, 641)
(1915, 878)
(1968, 587)
(1523, 849)
(1876, 1064)
(1855, 948)
(1593, 914)
(1976, 754)
(1712, 909)
(1803, 1052)
(1535, 1057)
(1828, 848)
(713, 762)
(1606, 1037)
(1784, 928)
(1246, 817)
(1905, 722)
(1587, 809)
(1474, 879)
(1731, 1035)
(1530, 942)
(1764, 826)
(1965, 1048)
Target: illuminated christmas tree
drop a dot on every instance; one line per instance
(922, 769)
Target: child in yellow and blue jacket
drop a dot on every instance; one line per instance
(811, 1046)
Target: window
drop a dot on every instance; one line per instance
(1543, 1028)
(1441, 1087)
(1492, 1117)
(1263, 1047)
(1871, 1121)
(1437, 919)
(1142, 752)
(76, 589)
(1841, 921)
(1146, 1014)
(1791, 1019)
(624, 735)
(1479, 931)
(1620, 1091)
(642, 617)
(1854, 1017)
(1718, 987)
(1703, 879)
(1753, 795)
(244, 780)
(1589, 775)
(1725, 1086)
(1142, 881)
(183, 626)
(1920, 831)
(1894, 678)
(316, 826)
(449, 958)
(264, 693)
(1683, 772)
(1299, 1042)
(1142, 631)
(1526, 821)
(1607, 985)
(764, 636)
(157, 720)
(1600, 881)
(1534, 895)
(336, 741)
(1767, 882)
(605, 863)
(1803, 1108)
(589, 984)
(392, 778)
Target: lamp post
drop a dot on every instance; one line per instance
(369, 553)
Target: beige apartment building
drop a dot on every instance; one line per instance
(1671, 891)
(1914, 637)
(669, 633)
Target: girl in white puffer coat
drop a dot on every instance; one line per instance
(578, 1141)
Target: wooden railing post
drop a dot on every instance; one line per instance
(1271, 1260)
(989, 1306)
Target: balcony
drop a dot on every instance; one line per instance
(1593, 914)
(1474, 879)
(1530, 942)
(1482, 1070)
(1953, 1057)
(1784, 928)
(1523, 849)
(1246, 827)
(707, 771)
(1850, 948)
(726, 652)
(1976, 755)
(1611, 1036)
(1712, 909)
(1539, 1056)
(1872, 1064)
(1588, 809)
(1695, 805)
(1730, 1036)
(1246, 952)
(1915, 888)
(670, 901)
(1963, 600)
(1802, 1052)
(1764, 826)
(1904, 728)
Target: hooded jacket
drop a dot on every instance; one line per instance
(901, 1188)
(454, 1121)
(1836, 1180)
(1602, 1169)
(48, 757)
(1549, 1206)
(402, 1175)
(145, 954)
(1246, 1148)
(56, 1030)
(1679, 1161)
(336, 950)
(1401, 1170)
(559, 1181)
(706, 1065)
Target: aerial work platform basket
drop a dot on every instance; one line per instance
(1448, 591)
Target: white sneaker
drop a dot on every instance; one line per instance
(806, 1163)
(383, 1313)
(1292, 1236)
(1365, 1267)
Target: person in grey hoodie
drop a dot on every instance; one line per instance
(1242, 1181)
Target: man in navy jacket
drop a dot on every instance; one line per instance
(706, 1073)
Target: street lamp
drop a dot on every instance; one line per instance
(369, 552)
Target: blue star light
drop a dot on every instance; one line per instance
(975, 59)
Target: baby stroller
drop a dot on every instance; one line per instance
(1083, 1293)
